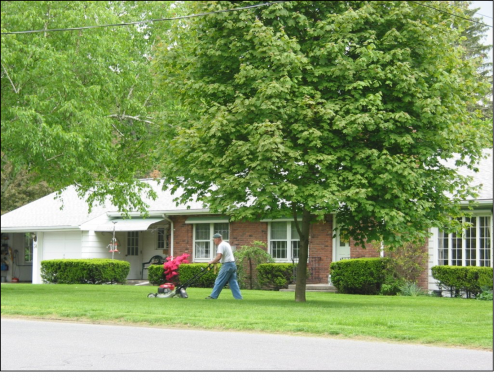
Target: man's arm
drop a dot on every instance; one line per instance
(216, 259)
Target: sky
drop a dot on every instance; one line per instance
(486, 10)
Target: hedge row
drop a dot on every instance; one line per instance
(359, 276)
(84, 271)
(457, 279)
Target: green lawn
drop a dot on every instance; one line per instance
(439, 321)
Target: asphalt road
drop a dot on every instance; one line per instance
(29, 345)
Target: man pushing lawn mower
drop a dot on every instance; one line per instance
(227, 273)
(169, 290)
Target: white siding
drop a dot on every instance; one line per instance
(62, 245)
(95, 245)
(433, 258)
(149, 244)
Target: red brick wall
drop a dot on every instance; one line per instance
(423, 280)
(183, 236)
(358, 252)
(245, 233)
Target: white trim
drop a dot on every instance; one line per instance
(268, 220)
(492, 232)
(432, 243)
(121, 225)
(158, 213)
(208, 220)
(187, 211)
(483, 202)
(171, 235)
(38, 228)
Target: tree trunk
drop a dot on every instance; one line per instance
(300, 287)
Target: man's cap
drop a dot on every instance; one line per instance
(217, 236)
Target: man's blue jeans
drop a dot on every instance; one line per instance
(227, 275)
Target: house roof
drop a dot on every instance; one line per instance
(483, 177)
(71, 212)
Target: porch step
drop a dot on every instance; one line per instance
(313, 288)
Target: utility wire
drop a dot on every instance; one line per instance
(144, 21)
(484, 15)
(200, 15)
(452, 14)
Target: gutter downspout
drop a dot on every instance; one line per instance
(171, 235)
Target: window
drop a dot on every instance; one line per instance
(344, 242)
(472, 248)
(204, 248)
(284, 241)
(28, 248)
(162, 238)
(133, 243)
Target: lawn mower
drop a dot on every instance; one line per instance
(168, 290)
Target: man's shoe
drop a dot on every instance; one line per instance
(209, 298)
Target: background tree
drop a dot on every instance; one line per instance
(18, 188)
(79, 107)
(405, 266)
(313, 108)
(475, 48)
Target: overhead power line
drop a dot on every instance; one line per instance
(144, 21)
(200, 15)
(484, 15)
(451, 14)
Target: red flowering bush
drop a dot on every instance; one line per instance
(172, 265)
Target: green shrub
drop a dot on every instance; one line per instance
(84, 271)
(391, 285)
(359, 276)
(486, 294)
(457, 279)
(275, 276)
(407, 262)
(156, 275)
(411, 289)
(207, 280)
(248, 258)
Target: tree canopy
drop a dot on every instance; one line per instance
(323, 107)
(79, 107)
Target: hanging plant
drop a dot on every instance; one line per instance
(171, 267)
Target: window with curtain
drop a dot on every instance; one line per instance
(162, 237)
(471, 248)
(284, 241)
(204, 248)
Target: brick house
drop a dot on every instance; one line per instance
(41, 231)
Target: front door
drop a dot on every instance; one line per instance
(342, 249)
(133, 254)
